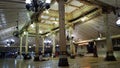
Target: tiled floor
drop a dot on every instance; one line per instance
(78, 62)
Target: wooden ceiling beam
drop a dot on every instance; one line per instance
(73, 5)
(54, 13)
(98, 3)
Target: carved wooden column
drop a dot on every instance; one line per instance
(109, 55)
(43, 45)
(21, 38)
(37, 42)
(63, 61)
(26, 43)
(27, 56)
(36, 17)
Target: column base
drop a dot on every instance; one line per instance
(95, 55)
(36, 58)
(20, 57)
(110, 57)
(27, 57)
(53, 56)
(63, 60)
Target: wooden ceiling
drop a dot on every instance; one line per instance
(85, 15)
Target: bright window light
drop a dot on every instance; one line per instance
(48, 1)
(118, 22)
(28, 1)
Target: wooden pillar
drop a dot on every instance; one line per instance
(53, 48)
(21, 38)
(109, 54)
(43, 45)
(63, 61)
(37, 42)
(72, 46)
(26, 43)
(27, 56)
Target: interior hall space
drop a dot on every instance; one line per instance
(59, 33)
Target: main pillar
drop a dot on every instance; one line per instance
(109, 55)
(37, 42)
(63, 60)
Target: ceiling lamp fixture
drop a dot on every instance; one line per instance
(84, 19)
(117, 12)
(36, 5)
(118, 21)
(28, 1)
(48, 1)
(99, 36)
(10, 42)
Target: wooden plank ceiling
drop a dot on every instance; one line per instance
(87, 18)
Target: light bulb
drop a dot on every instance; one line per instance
(28, 1)
(48, 1)
(118, 22)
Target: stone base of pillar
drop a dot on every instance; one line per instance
(27, 57)
(72, 56)
(110, 57)
(53, 56)
(95, 55)
(20, 57)
(36, 58)
(63, 60)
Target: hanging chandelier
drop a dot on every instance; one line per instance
(36, 5)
